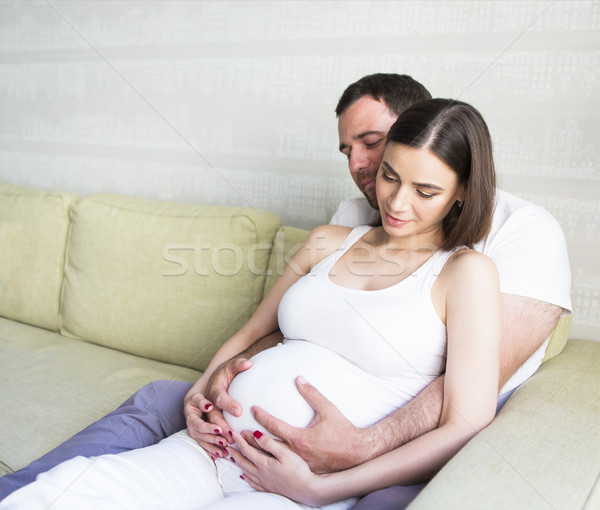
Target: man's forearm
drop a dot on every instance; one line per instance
(272, 339)
(420, 415)
(266, 342)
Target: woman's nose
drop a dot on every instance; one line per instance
(399, 200)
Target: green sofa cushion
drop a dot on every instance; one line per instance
(51, 387)
(287, 241)
(163, 280)
(33, 232)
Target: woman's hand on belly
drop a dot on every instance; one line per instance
(203, 413)
(279, 470)
(323, 444)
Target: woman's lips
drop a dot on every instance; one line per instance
(394, 222)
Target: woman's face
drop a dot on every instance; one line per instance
(415, 192)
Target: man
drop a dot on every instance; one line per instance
(526, 244)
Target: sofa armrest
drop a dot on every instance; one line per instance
(542, 451)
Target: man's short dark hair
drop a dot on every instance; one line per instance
(397, 91)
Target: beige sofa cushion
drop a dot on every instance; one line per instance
(33, 232)
(163, 280)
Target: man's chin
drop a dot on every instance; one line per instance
(372, 199)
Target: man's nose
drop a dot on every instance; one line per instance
(358, 159)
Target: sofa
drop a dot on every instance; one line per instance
(100, 295)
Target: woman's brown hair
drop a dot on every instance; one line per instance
(457, 134)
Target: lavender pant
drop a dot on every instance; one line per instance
(151, 414)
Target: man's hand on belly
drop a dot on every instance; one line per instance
(204, 413)
(218, 385)
(329, 443)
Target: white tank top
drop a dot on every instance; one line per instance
(368, 351)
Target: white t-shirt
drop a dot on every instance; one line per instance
(529, 249)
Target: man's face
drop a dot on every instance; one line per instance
(362, 130)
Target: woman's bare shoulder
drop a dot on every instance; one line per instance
(320, 243)
(468, 265)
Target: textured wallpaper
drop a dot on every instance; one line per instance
(232, 102)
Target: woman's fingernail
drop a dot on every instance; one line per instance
(232, 459)
(221, 443)
(242, 477)
(217, 431)
(302, 380)
(207, 407)
(258, 434)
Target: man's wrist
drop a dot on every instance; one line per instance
(376, 440)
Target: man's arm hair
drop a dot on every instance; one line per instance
(526, 323)
(266, 342)
(415, 418)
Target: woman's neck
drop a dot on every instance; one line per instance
(422, 242)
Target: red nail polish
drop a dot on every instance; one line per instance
(226, 451)
(242, 477)
(258, 434)
(217, 431)
(207, 407)
(221, 443)
(232, 459)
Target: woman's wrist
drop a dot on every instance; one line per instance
(328, 488)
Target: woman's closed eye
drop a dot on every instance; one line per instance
(389, 177)
(424, 194)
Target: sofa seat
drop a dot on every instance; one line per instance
(64, 384)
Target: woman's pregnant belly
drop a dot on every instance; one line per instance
(270, 383)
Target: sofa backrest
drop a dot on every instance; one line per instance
(33, 234)
(163, 280)
(287, 241)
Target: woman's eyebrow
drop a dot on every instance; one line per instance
(426, 185)
(388, 167)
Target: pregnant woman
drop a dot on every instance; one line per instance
(370, 316)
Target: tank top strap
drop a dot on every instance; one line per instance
(354, 235)
(439, 259)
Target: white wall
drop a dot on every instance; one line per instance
(232, 102)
